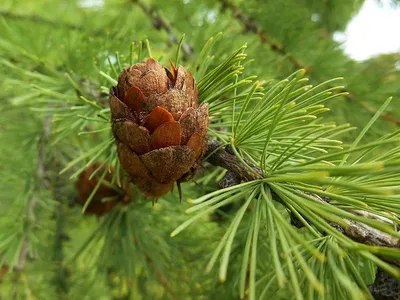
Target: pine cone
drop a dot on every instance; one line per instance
(97, 206)
(159, 129)
(3, 270)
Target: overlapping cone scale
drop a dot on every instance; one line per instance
(159, 128)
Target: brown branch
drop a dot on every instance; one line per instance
(61, 192)
(163, 281)
(251, 26)
(161, 278)
(54, 24)
(385, 286)
(218, 156)
(356, 231)
(367, 235)
(160, 23)
(384, 116)
(38, 19)
(40, 181)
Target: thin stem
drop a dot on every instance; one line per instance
(40, 181)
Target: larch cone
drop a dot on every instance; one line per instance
(97, 206)
(159, 128)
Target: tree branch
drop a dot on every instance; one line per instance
(54, 24)
(38, 19)
(219, 156)
(61, 192)
(385, 286)
(160, 23)
(384, 115)
(161, 278)
(251, 26)
(40, 181)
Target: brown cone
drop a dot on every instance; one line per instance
(159, 128)
(3, 270)
(85, 187)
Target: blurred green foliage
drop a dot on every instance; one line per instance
(42, 40)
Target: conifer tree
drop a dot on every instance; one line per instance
(287, 186)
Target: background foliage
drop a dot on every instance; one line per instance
(58, 59)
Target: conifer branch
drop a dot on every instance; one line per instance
(161, 23)
(385, 286)
(161, 278)
(251, 26)
(39, 19)
(40, 181)
(60, 276)
(218, 156)
(384, 115)
(54, 24)
(59, 193)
